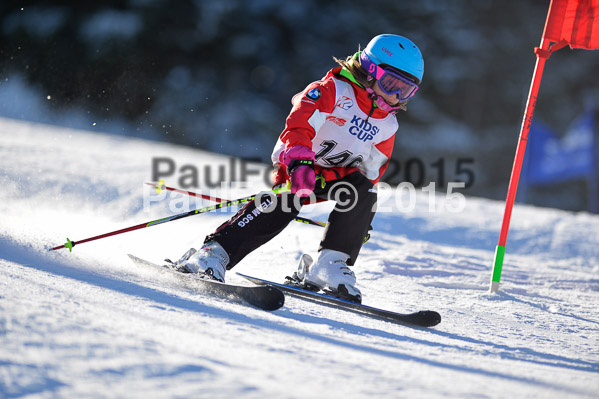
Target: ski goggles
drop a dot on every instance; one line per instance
(393, 83)
(390, 80)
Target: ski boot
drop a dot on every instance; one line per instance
(330, 274)
(209, 262)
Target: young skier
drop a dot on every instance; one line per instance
(336, 144)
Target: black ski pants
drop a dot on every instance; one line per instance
(261, 220)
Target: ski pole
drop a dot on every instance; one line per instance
(161, 185)
(70, 244)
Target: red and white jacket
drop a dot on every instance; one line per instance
(337, 119)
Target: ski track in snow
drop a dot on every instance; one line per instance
(92, 324)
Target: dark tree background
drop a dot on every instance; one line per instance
(220, 75)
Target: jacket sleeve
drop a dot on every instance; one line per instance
(309, 112)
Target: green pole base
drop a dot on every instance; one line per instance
(497, 267)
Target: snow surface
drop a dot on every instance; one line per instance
(92, 324)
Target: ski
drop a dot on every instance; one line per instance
(263, 296)
(424, 318)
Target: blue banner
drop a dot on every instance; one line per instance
(552, 159)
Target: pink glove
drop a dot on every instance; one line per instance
(299, 161)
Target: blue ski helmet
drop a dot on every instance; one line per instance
(397, 52)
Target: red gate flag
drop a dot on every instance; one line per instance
(569, 22)
(573, 22)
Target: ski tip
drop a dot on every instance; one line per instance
(429, 318)
(277, 300)
(136, 259)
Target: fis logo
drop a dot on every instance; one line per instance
(363, 130)
(336, 121)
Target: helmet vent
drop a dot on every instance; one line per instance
(401, 45)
